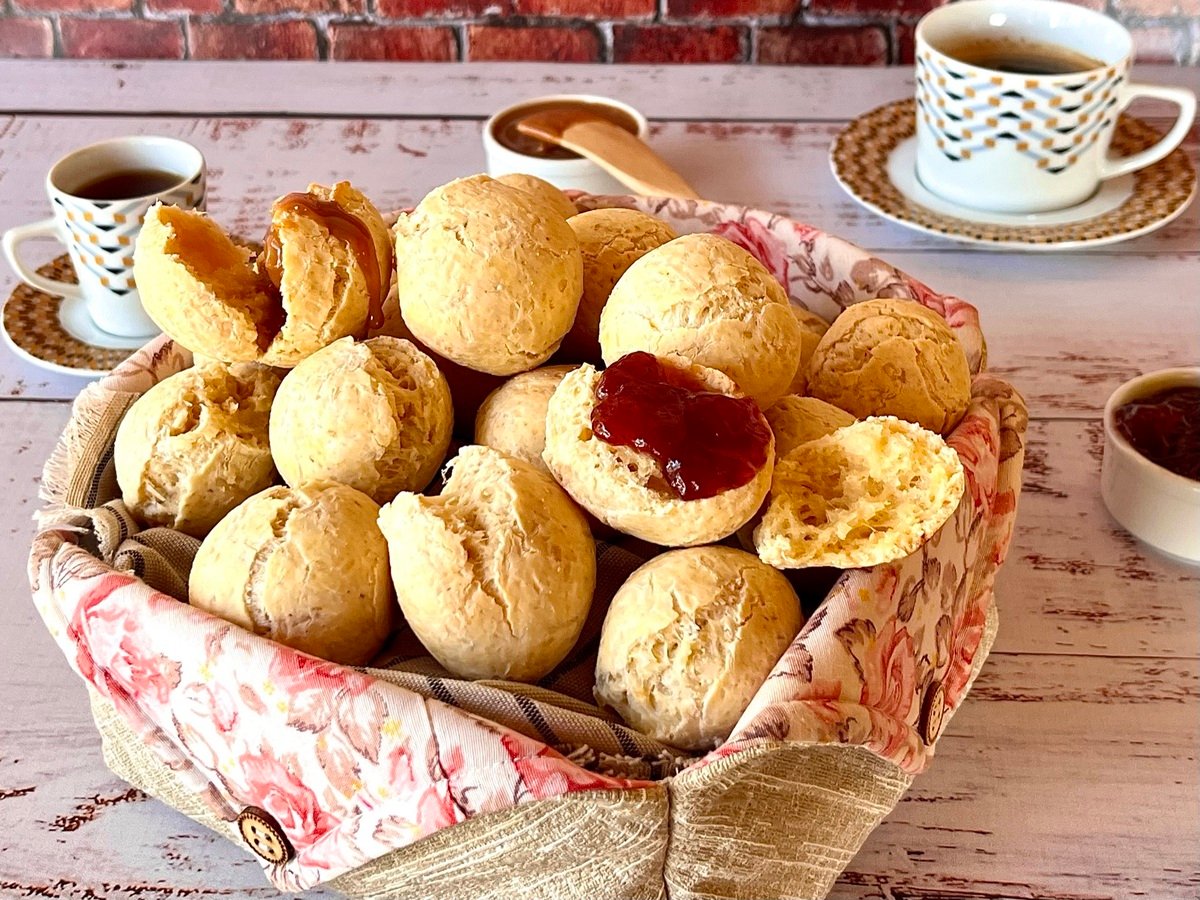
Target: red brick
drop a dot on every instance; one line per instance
(185, 6)
(252, 40)
(906, 44)
(354, 41)
(121, 39)
(870, 7)
(856, 45)
(26, 38)
(729, 9)
(587, 9)
(1156, 44)
(77, 6)
(678, 44)
(442, 9)
(501, 42)
(276, 7)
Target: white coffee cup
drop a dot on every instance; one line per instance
(575, 172)
(1013, 142)
(100, 233)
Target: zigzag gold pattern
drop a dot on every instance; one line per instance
(1050, 122)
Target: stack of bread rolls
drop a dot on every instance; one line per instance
(660, 386)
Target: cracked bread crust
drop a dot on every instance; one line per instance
(195, 445)
(623, 487)
(798, 420)
(487, 276)
(278, 566)
(375, 415)
(543, 190)
(812, 329)
(495, 575)
(689, 639)
(893, 358)
(704, 300)
(870, 493)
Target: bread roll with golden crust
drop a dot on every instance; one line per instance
(486, 276)
(869, 493)
(690, 638)
(495, 575)
(513, 417)
(611, 240)
(543, 190)
(798, 420)
(306, 567)
(703, 299)
(623, 487)
(893, 358)
(211, 295)
(195, 445)
(812, 329)
(375, 415)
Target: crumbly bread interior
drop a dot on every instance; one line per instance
(869, 493)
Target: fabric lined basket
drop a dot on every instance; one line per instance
(398, 781)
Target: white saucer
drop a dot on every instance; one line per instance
(57, 334)
(874, 160)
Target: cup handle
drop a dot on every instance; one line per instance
(13, 237)
(1181, 97)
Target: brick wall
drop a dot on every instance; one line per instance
(812, 32)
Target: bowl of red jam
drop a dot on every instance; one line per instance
(1150, 477)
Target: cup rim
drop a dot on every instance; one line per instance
(957, 8)
(489, 126)
(1130, 390)
(197, 168)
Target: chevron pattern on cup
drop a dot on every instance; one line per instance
(972, 112)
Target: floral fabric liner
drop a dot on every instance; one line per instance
(353, 767)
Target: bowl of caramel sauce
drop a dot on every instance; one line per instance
(508, 151)
(1150, 477)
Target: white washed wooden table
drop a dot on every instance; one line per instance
(1071, 773)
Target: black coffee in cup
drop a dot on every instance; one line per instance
(127, 184)
(1019, 56)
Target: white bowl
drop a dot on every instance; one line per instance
(579, 173)
(1152, 503)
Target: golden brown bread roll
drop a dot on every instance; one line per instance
(195, 445)
(704, 300)
(487, 276)
(869, 493)
(495, 575)
(375, 415)
(611, 240)
(798, 420)
(215, 298)
(513, 417)
(893, 358)
(306, 567)
(542, 190)
(624, 487)
(689, 639)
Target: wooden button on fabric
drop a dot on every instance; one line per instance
(263, 835)
(933, 712)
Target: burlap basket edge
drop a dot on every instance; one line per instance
(776, 819)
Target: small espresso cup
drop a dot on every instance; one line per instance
(1017, 101)
(100, 225)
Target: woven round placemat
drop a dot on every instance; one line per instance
(32, 322)
(860, 157)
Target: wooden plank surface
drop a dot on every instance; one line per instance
(1071, 774)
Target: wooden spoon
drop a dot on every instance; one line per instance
(623, 155)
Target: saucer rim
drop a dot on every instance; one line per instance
(1006, 243)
